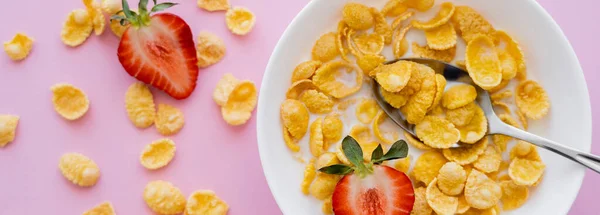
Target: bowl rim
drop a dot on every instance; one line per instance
(278, 50)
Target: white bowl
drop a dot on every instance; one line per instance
(550, 59)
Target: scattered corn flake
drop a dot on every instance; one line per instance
(214, 5)
(459, 96)
(466, 153)
(438, 111)
(69, 101)
(381, 26)
(379, 133)
(461, 116)
(437, 132)
(315, 143)
(104, 208)
(401, 18)
(224, 88)
(298, 88)
(361, 133)
(77, 28)
(441, 38)
(325, 79)
(317, 102)
(451, 178)
(139, 104)
(346, 103)
(323, 185)
(340, 155)
(289, 141)
(427, 166)
(111, 6)
(325, 48)
(419, 103)
(502, 140)
(522, 119)
(514, 196)
(461, 64)
(294, 116)
(438, 201)
(440, 85)
(169, 119)
(470, 23)
(305, 70)
(420, 5)
(158, 154)
(475, 211)
(79, 169)
(95, 11)
(476, 129)
(420, 206)
(357, 16)
(18, 47)
(340, 39)
(463, 206)
(483, 63)
(351, 46)
(415, 142)
(403, 164)
(400, 44)
(309, 176)
(367, 110)
(490, 160)
(368, 148)
(512, 47)
(369, 62)
(508, 65)
(332, 129)
(446, 55)
(369, 43)
(210, 49)
(240, 20)
(396, 100)
(205, 202)
(8, 128)
(523, 150)
(326, 159)
(164, 198)
(240, 104)
(525, 172)
(327, 207)
(481, 192)
(394, 8)
(501, 95)
(442, 17)
(116, 27)
(531, 99)
(503, 106)
(394, 77)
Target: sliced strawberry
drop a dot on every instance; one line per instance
(385, 192)
(159, 50)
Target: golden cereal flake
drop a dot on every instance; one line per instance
(111, 6)
(205, 202)
(305, 70)
(325, 48)
(332, 129)
(69, 101)
(357, 16)
(309, 176)
(522, 119)
(514, 196)
(210, 49)
(289, 141)
(394, 77)
(139, 104)
(323, 185)
(326, 159)
(446, 55)
(440, 85)
(340, 154)
(325, 79)
(421, 207)
(501, 95)
(438, 201)
(512, 47)
(104, 208)
(158, 154)
(508, 65)
(403, 164)
(368, 148)
(483, 63)
(369, 43)
(502, 106)
(317, 102)
(18, 47)
(415, 142)
(525, 172)
(476, 129)
(417, 106)
(340, 39)
(441, 38)
(367, 110)
(383, 135)
(461, 116)
(420, 5)
(500, 86)
(369, 62)
(401, 18)
(213, 5)
(394, 8)
(77, 28)
(98, 20)
(502, 140)
(381, 25)
(79, 169)
(532, 99)
(470, 23)
(490, 160)
(482, 192)
(8, 128)
(240, 20)
(437, 132)
(400, 44)
(241, 103)
(451, 178)
(327, 207)
(116, 27)
(466, 153)
(463, 206)
(224, 88)
(361, 133)
(294, 116)
(442, 17)
(459, 96)
(298, 88)
(427, 166)
(164, 198)
(169, 119)
(315, 142)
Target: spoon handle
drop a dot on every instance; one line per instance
(589, 160)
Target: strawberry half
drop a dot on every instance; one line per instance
(371, 188)
(158, 49)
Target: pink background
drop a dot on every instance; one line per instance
(210, 154)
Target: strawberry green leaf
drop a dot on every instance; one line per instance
(117, 17)
(143, 6)
(352, 151)
(377, 153)
(337, 169)
(154, 2)
(398, 150)
(162, 6)
(126, 9)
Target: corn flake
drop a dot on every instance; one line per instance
(446, 55)
(369, 43)
(500, 86)
(79, 169)
(531, 99)
(461, 116)
(490, 160)
(369, 62)
(309, 176)
(441, 38)
(332, 129)
(139, 104)
(325, 79)
(294, 116)
(298, 88)
(394, 77)
(481, 192)
(305, 70)
(289, 141)
(437, 132)
(467, 153)
(508, 65)
(400, 44)
(441, 18)
(316, 137)
(483, 63)
(104, 208)
(325, 48)
(361, 133)
(8, 128)
(427, 166)
(116, 27)
(383, 135)
(95, 11)
(327, 207)
(169, 119)
(158, 154)
(240, 20)
(366, 111)
(357, 16)
(420, 5)
(19, 47)
(210, 49)
(213, 5)
(512, 47)
(476, 129)
(351, 46)
(240, 104)
(525, 172)
(77, 28)
(470, 23)
(224, 88)
(340, 155)
(513, 195)
(111, 6)
(414, 142)
(403, 164)
(394, 8)
(438, 201)
(501, 95)
(421, 207)
(205, 202)
(401, 18)
(326, 159)
(69, 101)
(502, 140)
(459, 96)
(341, 38)
(451, 178)
(419, 103)
(316, 102)
(463, 206)
(381, 26)
(503, 106)
(440, 85)
(323, 185)
(164, 198)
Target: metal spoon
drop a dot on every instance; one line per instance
(495, 125)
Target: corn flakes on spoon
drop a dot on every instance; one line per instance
(495, 124)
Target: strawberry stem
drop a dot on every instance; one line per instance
(143, 18)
